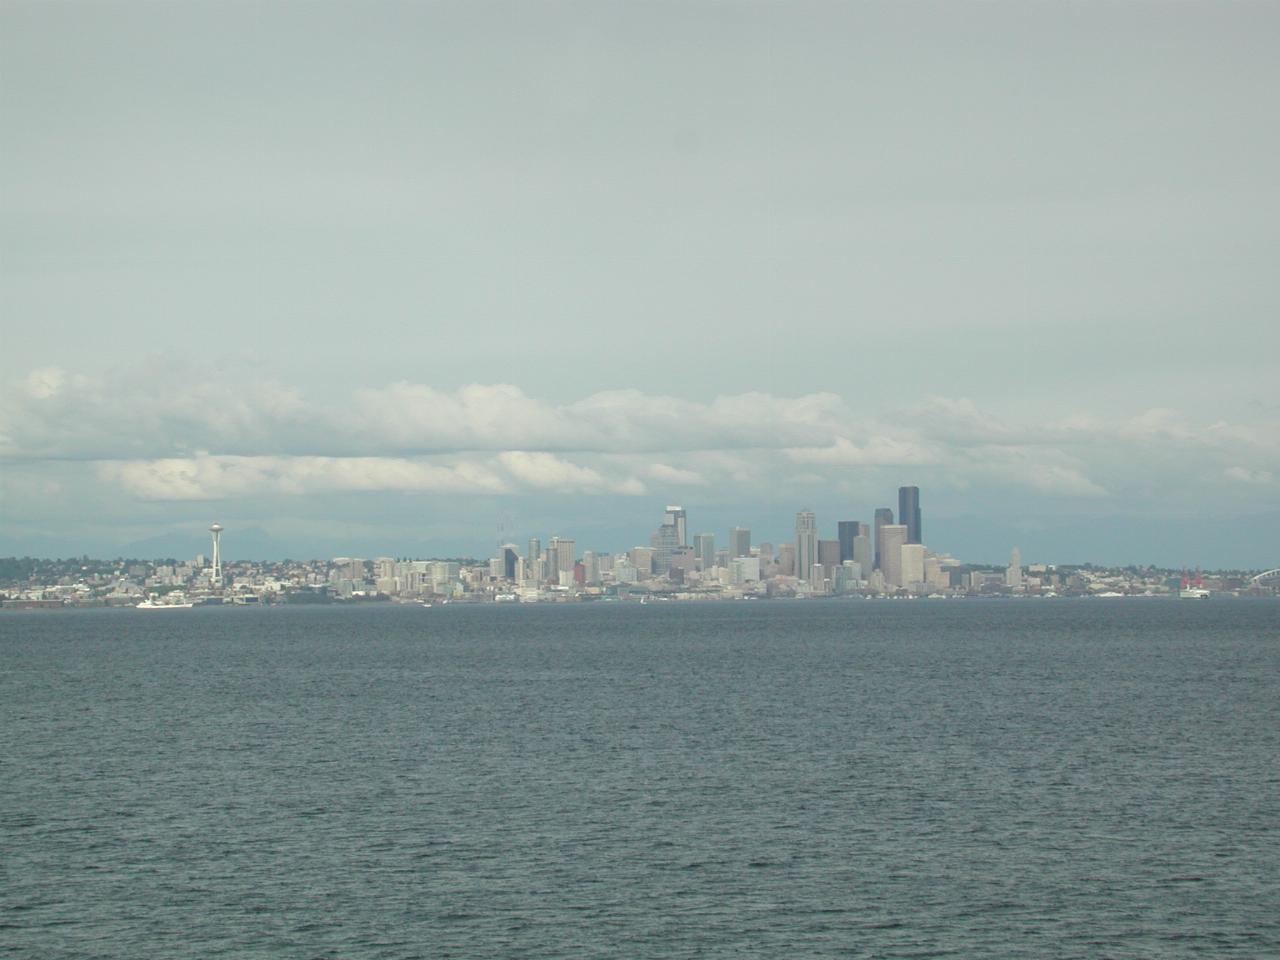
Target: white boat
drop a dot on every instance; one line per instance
(1193, 590)
(152, 605)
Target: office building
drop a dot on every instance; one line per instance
(677, 517)
(704, 545)
(863, 554)
(665, 542)
(892, 538)
(744, 570)
(806, 543)
(510, 558)
(739, 542)
(846, 577)
(817, 578)
(684, 560)
(1013, 575)
(913, 566)
(564, 550)
(909, 512)
(846, 532)
(936, 577)
(642, 559)
(883, 517)
(829, 553)
(786, 560)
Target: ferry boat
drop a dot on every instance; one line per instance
(151, 604)
(1193, 590)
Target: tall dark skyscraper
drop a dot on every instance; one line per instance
(846, 530)
(909, 512)
(884, 516)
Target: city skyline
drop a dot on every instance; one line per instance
(808, 568)
(563, 262)
(831, 542)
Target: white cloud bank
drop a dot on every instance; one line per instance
(159, 432)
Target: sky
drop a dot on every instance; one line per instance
(407, 279)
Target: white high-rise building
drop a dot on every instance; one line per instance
(912, 565)
(1013, 575)
(936, 577)
(893, 536)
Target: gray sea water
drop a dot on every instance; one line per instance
(865, 779)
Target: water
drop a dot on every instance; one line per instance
(978, 779)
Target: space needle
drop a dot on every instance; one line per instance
(216, 574)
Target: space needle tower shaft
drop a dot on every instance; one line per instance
(216, 572)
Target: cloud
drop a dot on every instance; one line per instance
(162, 430)
(214, 477)
(876, 451)
(1043, 469)
(45, 382)
(209, 477)
(956, 420)
(674, 476)
(154, 409)
(1058, 479)
(1245, 475)
(545, 471)
(162, 410)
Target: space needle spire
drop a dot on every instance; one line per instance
(215, 576)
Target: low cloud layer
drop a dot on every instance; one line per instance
(163, 433)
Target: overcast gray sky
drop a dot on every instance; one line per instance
(367, 277)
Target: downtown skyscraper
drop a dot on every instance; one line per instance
(678, 517)
(806, 543)
(884, 516)
(909, 512)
